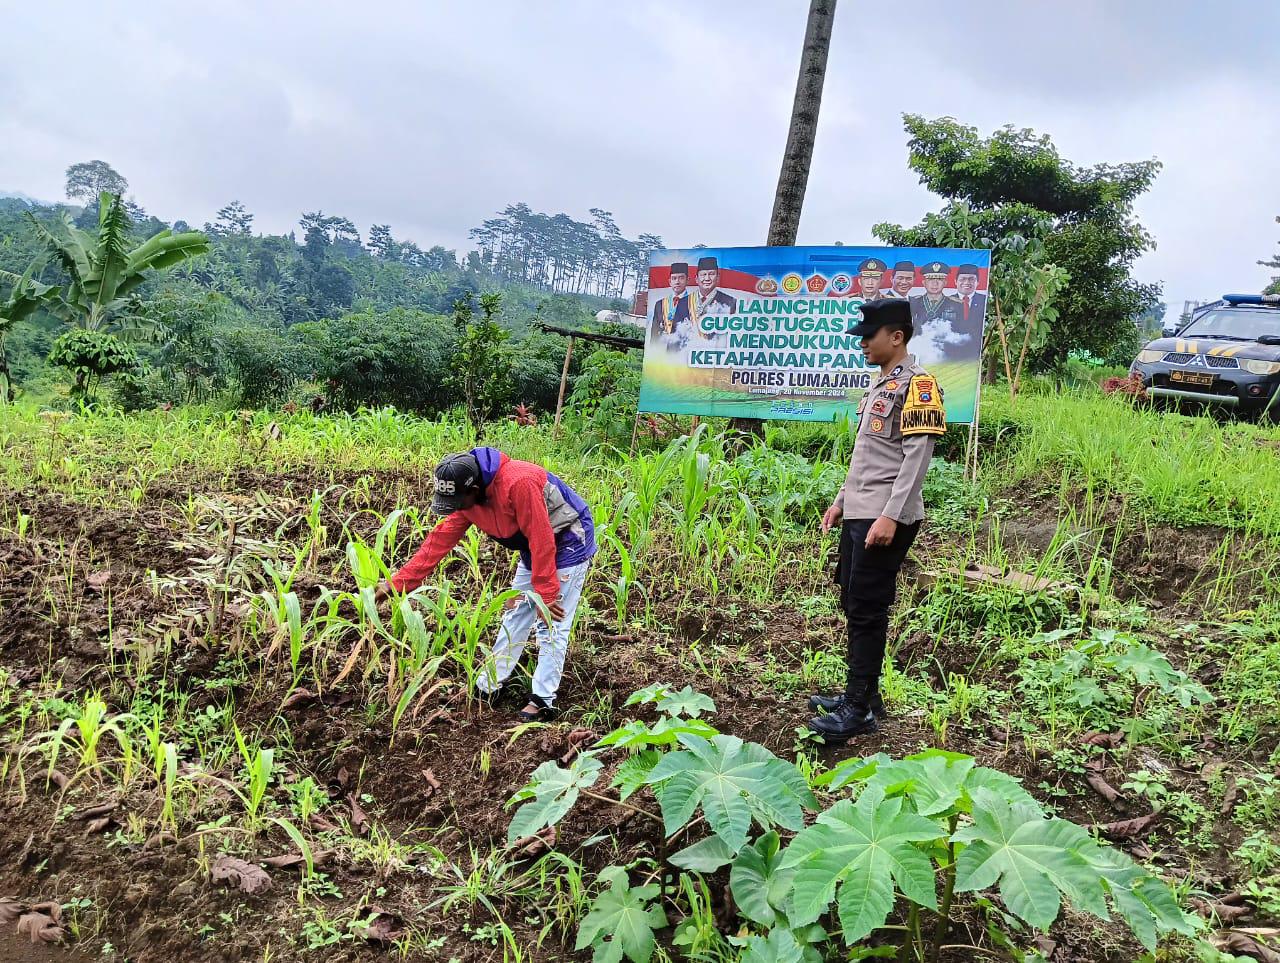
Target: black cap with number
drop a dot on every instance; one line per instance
(456, 476)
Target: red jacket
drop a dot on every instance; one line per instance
(519, 499)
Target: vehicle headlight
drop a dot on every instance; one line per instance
(1147, 356)
(1253, 366)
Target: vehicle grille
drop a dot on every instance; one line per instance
(1210, 360)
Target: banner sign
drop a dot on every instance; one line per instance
(760, 332)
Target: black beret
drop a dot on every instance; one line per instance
(708, 264)
(967, 269)
(904, 266)
(876, 314)
(680, 267)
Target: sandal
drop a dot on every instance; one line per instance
(544, 712)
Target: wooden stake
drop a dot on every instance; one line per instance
(564, 377)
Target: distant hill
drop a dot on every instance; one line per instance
(26, 197)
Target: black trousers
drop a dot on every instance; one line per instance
(868, 580)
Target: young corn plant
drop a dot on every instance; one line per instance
(259, 769)
(650, 476)
(622, 586)
(163, 757)
(697, 490)
(86, 735)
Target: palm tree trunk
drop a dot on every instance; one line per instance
(794, 178)
(788, 200)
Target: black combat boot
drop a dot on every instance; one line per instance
(829, 703)
(852, 717)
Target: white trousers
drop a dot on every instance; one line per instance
(553, 642)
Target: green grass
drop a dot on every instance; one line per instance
(691, 535)
(1176, 469)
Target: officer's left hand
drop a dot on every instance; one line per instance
(881, 532)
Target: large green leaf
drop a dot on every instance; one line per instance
(26, 295)
(778, 947)
(634, 772)
(686, 702)
(1032, 858)
(664, 732)
(733, 782)
(1003, 785)
(551, 793)
(758, 882)
(704, 856)
(621, 921)
(102, 285)
(72, 254)
(862, 848)
(161, 251)
(934, 781)
(1145, 902)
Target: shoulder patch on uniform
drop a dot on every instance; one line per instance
(922, 412)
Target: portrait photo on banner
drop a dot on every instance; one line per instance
(763, 332)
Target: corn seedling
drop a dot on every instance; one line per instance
(85, 734)
(259, 767)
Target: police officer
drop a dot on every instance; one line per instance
(934, 305)
(879, 508)
(870, 271)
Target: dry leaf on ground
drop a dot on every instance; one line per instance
(247, 877)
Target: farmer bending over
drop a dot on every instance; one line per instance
(525, 508)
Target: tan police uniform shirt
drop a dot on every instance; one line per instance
(899, 417)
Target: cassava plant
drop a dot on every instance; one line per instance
(911, 836)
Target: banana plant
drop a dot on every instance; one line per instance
(105, 272)
(26, 296)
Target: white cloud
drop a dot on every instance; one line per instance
(431, 117)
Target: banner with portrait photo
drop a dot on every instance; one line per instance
(760, 332)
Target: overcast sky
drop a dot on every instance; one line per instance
(431, 115)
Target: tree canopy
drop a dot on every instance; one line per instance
(1013, 182)
(348, 317)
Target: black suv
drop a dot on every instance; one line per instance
(1228, 355)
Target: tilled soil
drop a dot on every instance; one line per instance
(440, 781)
